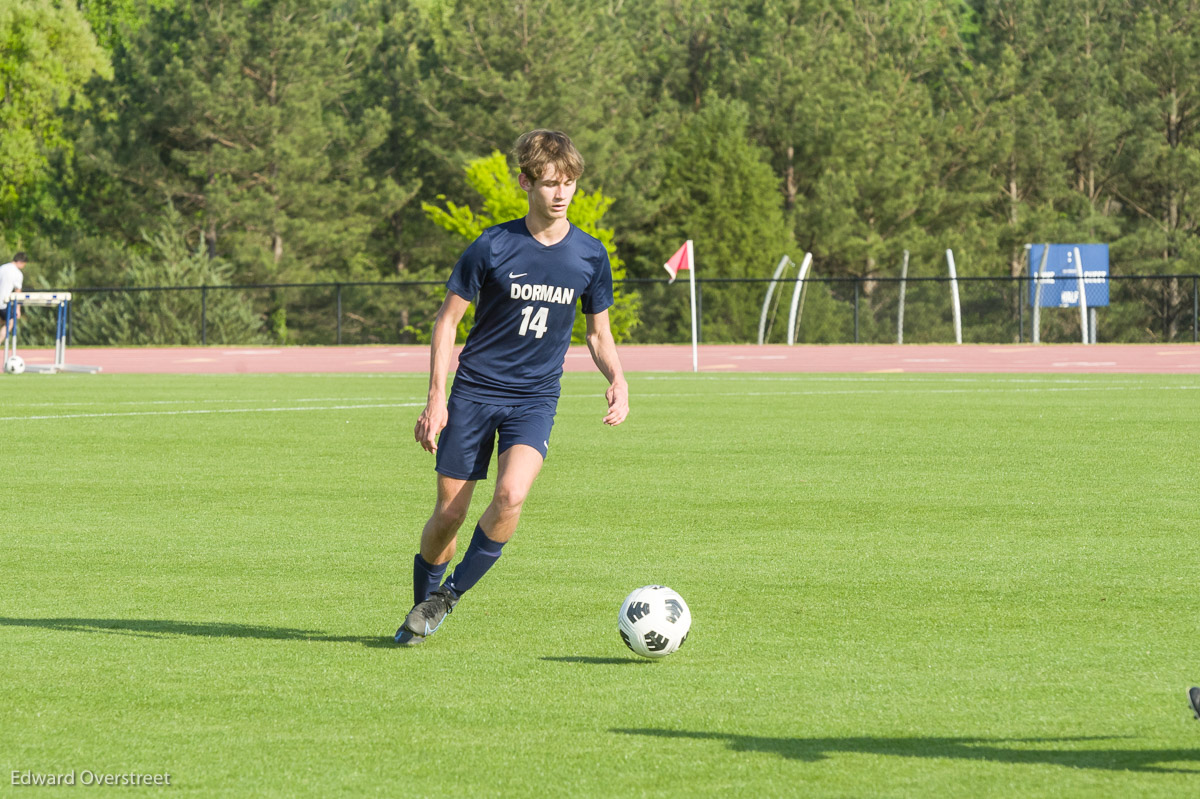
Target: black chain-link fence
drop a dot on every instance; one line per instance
(1141, 308)
(920, 310)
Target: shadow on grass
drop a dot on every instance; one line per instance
(1016, 751)
(594, 661)
(161, 628)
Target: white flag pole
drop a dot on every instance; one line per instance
(691, 259)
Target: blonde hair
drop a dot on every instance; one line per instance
(539, 148)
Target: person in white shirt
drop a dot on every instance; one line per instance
(12, 278)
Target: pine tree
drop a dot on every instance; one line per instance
(247, 118)
(1161, 60)
(719, 190)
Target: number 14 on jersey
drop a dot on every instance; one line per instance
(534, 321)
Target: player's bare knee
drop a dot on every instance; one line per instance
(449, 517)
(509, 498)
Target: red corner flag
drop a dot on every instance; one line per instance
(684, 259)
(677, 261)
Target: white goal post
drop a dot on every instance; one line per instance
(784, 263)
(797, 298)
(1083, 309)
(797, 306)
(1037, 294)
(954, 297)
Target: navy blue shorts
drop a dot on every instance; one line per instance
(466, 443)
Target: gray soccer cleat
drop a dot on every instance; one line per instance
(405, 638)
(1194, 700)
(425, 617)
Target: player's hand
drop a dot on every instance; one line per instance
(429, 424)
(618, 403)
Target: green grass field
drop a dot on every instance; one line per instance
(902, 585)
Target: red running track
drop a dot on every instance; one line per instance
(933, 358)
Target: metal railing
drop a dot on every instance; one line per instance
(1142, 308)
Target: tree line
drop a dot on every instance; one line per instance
(267, 141)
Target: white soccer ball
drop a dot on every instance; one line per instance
(654, 621)
(14, 365)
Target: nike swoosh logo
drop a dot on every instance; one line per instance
(512, 276)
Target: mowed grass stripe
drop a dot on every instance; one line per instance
(901, 593)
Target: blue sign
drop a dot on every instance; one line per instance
(1059, 278)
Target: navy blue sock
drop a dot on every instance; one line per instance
(426, 578)
(481, 555)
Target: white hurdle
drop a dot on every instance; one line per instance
(43, 299)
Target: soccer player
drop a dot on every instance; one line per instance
(11, 279)
(525, 276)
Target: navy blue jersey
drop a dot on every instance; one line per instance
(525, 295)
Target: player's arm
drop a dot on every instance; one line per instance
(441, 350)
(604, 353)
